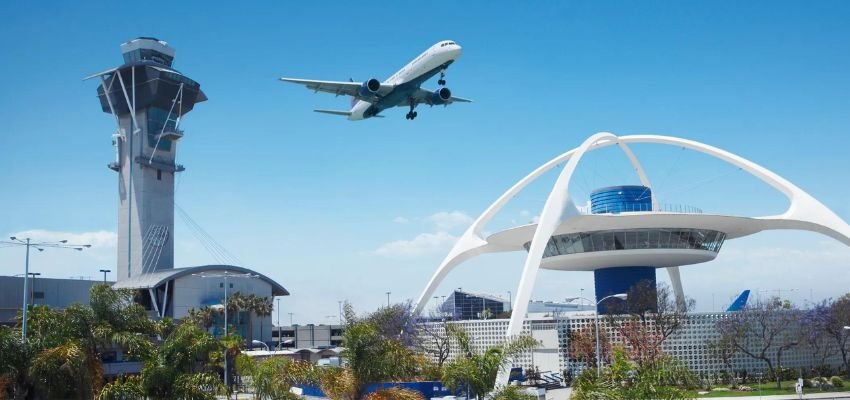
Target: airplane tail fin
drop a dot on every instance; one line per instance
(334, 112)
(740, 302)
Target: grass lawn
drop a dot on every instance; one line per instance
(767, 389)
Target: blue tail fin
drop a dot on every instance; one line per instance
(740, 302)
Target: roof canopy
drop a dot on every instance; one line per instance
(155, 279)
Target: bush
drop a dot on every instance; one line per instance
(822, 370)
(787, 374)
(836, 381)
(807, 383)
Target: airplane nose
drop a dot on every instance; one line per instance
(455, 52)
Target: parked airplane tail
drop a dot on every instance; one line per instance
(740, 302)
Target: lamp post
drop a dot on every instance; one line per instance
(226, 275)
(388, 299)
(621, 296)
(104, 274)
(340, 311)
(278, 323)
(32, 289)
(40, 246)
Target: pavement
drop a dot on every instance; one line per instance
(815, 395)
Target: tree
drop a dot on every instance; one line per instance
(69, 343)
(647, 318)
(435, 339)
(262, 307)
(660, 378)
(582, 345)
(815, 326)
(266, 377)
(203, 317)
(763, 331)
(376, 346)
(183, 367)
(478, 370)
(15, 359)
(837, 318)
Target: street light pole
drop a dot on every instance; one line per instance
(32, 289)
(278, 323)
(621, 296)
(225, 275)
(388, 299)
(40, 246)
(104, 274)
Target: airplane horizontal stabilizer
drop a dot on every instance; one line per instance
(334, 112)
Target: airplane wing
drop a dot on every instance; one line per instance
(341, 88)
(425, 96)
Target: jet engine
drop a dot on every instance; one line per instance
(441, 96)
(370, 87)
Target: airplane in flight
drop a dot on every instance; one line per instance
(402, 89)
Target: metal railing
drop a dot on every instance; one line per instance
(638, 207)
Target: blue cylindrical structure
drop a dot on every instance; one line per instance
(617, 199)
(615, 280)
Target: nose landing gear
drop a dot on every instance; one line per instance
(442, 81)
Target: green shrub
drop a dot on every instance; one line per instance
(836, 381)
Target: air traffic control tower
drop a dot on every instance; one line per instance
(148, 98)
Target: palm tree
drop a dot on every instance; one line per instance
(69, 343)
(181, 368)
(262, 306)
(478, 370)
(14, 362)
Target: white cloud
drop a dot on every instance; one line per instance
(447, 220)
(400, 220)
(422, 244)
(97, 239)
(59, 263)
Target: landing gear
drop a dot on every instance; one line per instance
(442, 81)
(411, 114)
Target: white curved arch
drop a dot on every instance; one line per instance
(804, 212)
(550, 218)
(472, 242)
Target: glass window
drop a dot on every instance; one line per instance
(158, 119)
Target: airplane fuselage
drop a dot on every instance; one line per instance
(408, 79)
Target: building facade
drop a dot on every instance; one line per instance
(690, 344)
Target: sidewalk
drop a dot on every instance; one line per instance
(814, 395)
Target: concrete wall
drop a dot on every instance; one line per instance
(57, 293)
(194, 291)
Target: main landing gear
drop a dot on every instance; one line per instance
(442, 81)
(411, 114)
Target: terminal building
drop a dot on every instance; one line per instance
(626, 235)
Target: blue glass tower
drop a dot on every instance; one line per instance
(609, 281)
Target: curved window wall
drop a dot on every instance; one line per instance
(633, 239)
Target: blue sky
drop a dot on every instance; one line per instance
(339, 210)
